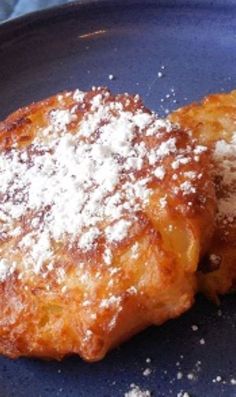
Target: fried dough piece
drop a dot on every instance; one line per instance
(100, 237)
(213, 123)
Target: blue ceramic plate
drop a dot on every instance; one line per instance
(193, 45)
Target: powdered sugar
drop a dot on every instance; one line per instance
(187, 187)
(72, 183)
(159, 172)
(118, 231)
(40, 251)
(135, 391)
(6, 268)
(88, 238)
(60, 118)
(225, 158)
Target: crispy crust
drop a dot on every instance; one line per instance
(93, 307)
(211, 120)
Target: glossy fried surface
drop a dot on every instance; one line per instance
(213, 123)
(105, 211)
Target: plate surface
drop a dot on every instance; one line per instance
(193, 45)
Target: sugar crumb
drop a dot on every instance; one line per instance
(179, 375)
(194, 327)
(147, 372)
(136, 391)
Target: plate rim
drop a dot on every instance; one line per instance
(57, 10)
(10, 26)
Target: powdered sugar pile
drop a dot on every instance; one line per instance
(225, 157)
(84, 185)
(135, 391)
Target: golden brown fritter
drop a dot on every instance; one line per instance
(105, 210)
(213, 123)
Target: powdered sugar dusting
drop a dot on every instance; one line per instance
(87, 185)
(6, 268)
(136, 391)
(117, 231)
(225, 158)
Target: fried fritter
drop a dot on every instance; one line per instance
(105, 211)
(213, 123)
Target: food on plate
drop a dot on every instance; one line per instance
(213, 123)
(105, 211)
